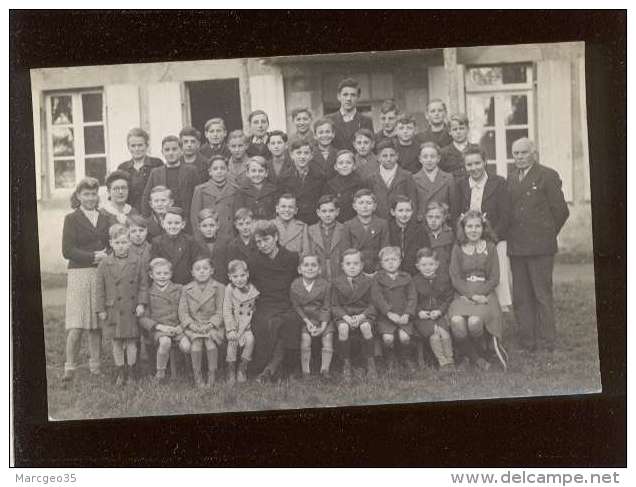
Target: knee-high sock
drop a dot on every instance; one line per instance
(277, 356)
(305, 356)
(213, 357)
(344, 349)
(131, 351)
(327, 354)
(447, 347)
(438, 349)
(197, 358)
(368, 347)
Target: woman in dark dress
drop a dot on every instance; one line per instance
(276, 326)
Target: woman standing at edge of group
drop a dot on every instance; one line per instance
(84, 244)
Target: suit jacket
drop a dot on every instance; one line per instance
(154, 226)
(325, 164)
(120, 290)
(315, 304)
(329, 256)
(495, 203)
(207, 151)
(409, 156)
(452, 160)
(138, 179)
(216, 250)
(441, 138)
(436, 293)
(441, 189)
(202, 165)
(345, 131)
(209, 195)
(402, 184)
(368, 242)
(228, 250)
(163, 307)
(202, 308)
(80, 239)
(367, 166)
(293, 236)
(307, 192)
(182, 194)
(143, 252)
(180, 251)
(344, 187)
(352, 300)
(409, 239)
(262, 201)
(394, 295)
(286, 169)
(443, 245)
(538, 211)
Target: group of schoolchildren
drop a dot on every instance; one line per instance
(163, 268)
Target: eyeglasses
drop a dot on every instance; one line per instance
(119, 189)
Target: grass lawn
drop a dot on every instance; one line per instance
(572, 369)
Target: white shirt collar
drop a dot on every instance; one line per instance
(480, 183)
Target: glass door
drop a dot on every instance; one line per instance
(498, 112)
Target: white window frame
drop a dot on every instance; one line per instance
(77, 125)
(499, 92)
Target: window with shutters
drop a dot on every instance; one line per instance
(500, 109)
(76, 137)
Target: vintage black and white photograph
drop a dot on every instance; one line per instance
(311, 231)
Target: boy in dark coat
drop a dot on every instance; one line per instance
(305, 182)
(310, 295)
(177, 247)
(257, 194)
(345, 184)
(394, 297)
(434, 295)
(347, 121)
(366, 232)
(180, 179)
(406, 232)
(390, 180)
(324, 153)
(353, 311)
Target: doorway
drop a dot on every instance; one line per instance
(215, 98)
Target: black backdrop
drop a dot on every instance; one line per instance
(559, 431)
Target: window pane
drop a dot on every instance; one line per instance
(95, 167)
(481, 116)
(92, 107)
(516, 109)
(511, 136)
(61, 110)
(94, 139)
(63, 140)
(64, 173)
(486, 76)
(497, 75)
(488, 145)
(513, 73)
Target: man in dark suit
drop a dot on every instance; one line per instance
(538, 213)
(347, 121)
